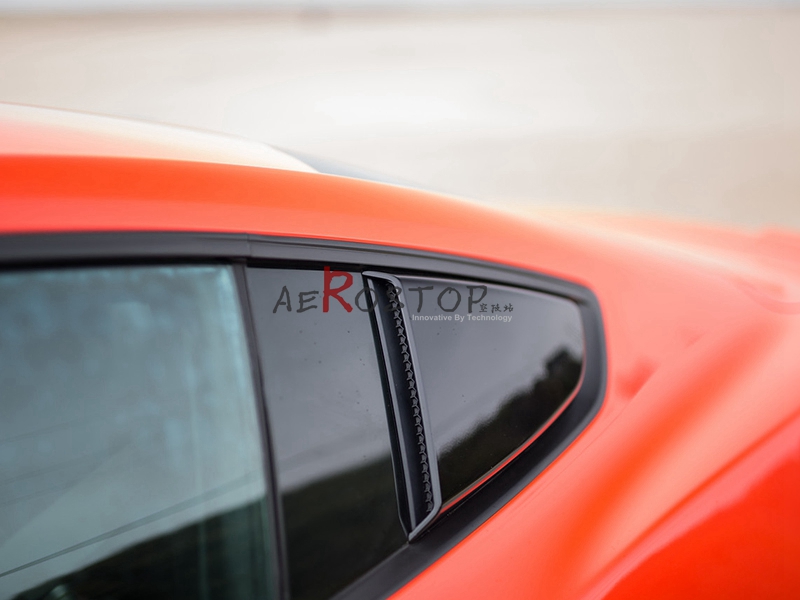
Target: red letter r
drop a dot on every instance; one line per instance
(329, 292)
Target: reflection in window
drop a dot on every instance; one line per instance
(329, 429)
(130, 457)
(496, 363)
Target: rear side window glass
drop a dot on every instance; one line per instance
(496, 364)
(328, 421)
(130, 455)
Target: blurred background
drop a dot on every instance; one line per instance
(682, 109)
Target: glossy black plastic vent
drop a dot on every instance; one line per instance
(415, 468)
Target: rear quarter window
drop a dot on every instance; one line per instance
(496, 365)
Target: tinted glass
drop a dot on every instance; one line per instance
(130, 456)
(329, 425)
(495, 363)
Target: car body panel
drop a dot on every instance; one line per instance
(686, 481)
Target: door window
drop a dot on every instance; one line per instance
(130, 454)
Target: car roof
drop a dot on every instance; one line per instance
(74, 172)
(60, 194)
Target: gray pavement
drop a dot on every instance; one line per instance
(685, 113)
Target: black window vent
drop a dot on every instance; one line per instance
(415, 459)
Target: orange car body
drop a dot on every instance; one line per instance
(687, 481)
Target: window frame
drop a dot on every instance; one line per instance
(243, 250)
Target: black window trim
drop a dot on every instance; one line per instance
(54, 249)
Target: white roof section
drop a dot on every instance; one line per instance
(27, 130)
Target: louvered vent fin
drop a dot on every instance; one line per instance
(415, 459)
